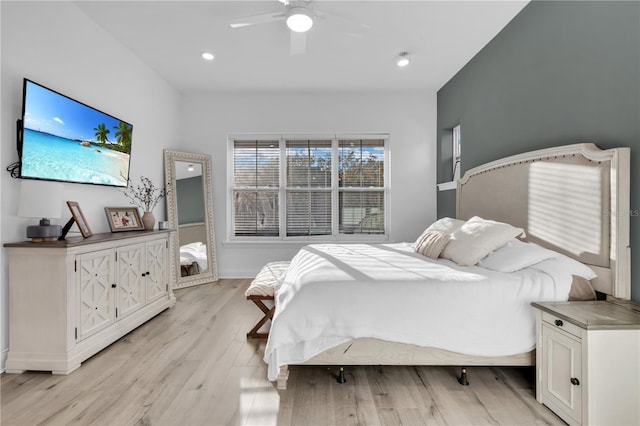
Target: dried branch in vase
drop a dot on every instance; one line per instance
(144, 195)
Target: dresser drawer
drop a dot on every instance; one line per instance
(562, 324)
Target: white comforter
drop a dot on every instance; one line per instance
(333, 293)
(194, 252)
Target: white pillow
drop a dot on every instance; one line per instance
(431, 243)
(447, 225)
(516, 255)
(477, 238)
(565, 265)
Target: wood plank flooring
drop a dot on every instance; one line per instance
(192, 365)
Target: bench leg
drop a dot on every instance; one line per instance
(268, 314)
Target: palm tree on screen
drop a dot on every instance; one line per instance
(123, 135)
(101, 133)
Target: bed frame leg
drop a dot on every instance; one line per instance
(341, 379)
(283, 377)
(463, 377)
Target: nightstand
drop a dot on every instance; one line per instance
(588, 361)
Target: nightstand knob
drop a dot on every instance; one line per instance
(575, 381)
(559, 323)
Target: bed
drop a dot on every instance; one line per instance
(572, 199)
(193, 252)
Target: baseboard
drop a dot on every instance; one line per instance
(238, 274)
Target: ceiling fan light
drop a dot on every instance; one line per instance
(299, 19)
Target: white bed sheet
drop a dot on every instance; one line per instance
(333, 293)
(194, 252)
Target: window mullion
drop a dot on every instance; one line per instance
(361, 167)
(335, 191)
(309, 213)
(282, 214)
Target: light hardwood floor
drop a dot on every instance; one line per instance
(192, 365)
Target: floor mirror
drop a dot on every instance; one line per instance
(190, 214)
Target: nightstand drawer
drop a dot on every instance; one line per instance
(561, 324)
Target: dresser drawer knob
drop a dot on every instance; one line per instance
(559, 323)
(575, 381)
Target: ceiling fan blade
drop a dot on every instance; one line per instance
(257, 19)
(298, 43)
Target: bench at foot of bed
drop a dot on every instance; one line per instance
(262, 289)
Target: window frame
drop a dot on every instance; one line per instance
(456, 148)
(335, 189)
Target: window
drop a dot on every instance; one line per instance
(361, 182)
(256, 166)
(308, 208)
(313, 188)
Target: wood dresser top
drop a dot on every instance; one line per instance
(596, 315)
(79, 241)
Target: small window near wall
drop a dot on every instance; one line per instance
(457, 152)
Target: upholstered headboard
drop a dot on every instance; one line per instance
(573, 199)
(192, 232)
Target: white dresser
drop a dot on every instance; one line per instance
(70, 299)
(588, 361)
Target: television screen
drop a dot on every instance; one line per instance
(66, 140)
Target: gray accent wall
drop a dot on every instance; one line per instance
(559, 73)
(190, 200)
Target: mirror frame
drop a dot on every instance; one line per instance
(211, 273)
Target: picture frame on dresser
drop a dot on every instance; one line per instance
(123, 219)
(81, 221)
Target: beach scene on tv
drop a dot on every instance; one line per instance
(69, 141)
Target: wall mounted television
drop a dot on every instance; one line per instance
(65, 140)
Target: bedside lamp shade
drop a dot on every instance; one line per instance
(41, 199)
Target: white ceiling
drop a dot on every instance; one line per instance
(183, 172)
(169, 36)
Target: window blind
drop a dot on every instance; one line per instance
(361, 196)
(256, 171)
(308, 187)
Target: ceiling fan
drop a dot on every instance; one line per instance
(299, 16)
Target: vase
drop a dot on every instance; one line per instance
(149, 221)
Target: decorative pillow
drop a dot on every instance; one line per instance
(447, 225)
(566, 265)
(581, 289)
(477, 238)
(431, 243)
(516, 255)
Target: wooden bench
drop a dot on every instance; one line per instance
(262, 289)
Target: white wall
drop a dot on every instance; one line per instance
(55, 44)
(408, 117)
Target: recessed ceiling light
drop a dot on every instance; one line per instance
(299, 19)
(207, 56)
(403, 59)
(190, 168)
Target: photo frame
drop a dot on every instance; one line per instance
(124, 219)
(78, 216)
